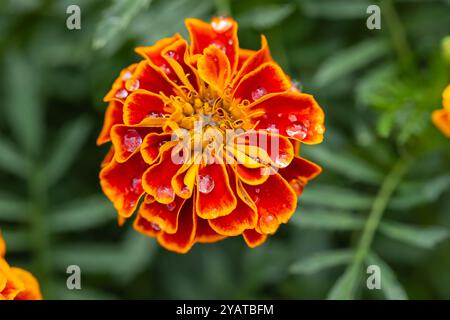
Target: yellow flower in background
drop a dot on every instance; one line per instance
(441, 117)
(16, 283)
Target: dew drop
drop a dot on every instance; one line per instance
(297, 131)
(165, 68)
(268, 223)
(154, 115)
(136, 185)
(171, 206)
(205, 183)
(281, 160)
(131, 140)
(258, 93)
(172, 54)
(219, 45)
(164, 192)
(155, 226)
(132, 84)
(185, 191)
(221, 24)
(279, 114)
(127, 75)
(319, 128)
(292, 117)
(121, 94)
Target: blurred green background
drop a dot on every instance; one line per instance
(377, 87)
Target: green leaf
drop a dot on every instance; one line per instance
(335, 197)
(347, 61)
(328, 220)
(81, 215)
(390, 286)
(116, 19)
(346, 164)
(335, 9)
(67, 148)
(321, 261)
(345, 286)
(265, 17)
(12, 208)
(422, 237)
(23, 105)
(11, 160)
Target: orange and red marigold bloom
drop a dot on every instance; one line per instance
(222, 190)
(16, 283)
(441, 117)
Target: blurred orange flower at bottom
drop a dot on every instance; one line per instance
(441, 117)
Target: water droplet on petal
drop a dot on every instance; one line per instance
(219, 45)
(171, 206)
(131, 140)
(154, 115)
(279, 115)
(132, 84)
(319, 128)
(221, 24)
(185, 191)
(258, 93)
(121, 94)
(281, 160)
(127, 75)
(165, 68)
(268, 223)
(205, 183)
(172, 54)
(155, 226)
(292, 117)
(164, 192)
(297, 131)
(136, 185)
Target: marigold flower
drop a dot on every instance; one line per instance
(441, 117)
(168, 119)
(16, 283)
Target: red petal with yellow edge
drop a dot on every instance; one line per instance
(221, 32)
(244, 54)
(273, 211)
(118, 91)
(299, 172)
(183, 240)
(268, 78)
(32, 290)
(157, 179)
(441, 119)
(254, 60)
(215, 197)
(113, 115)
(151, 79)
(292, 114)
(183, 181)
(10, 284)
(214, 68)
(142, 105)
(121, 182)
(163, 216)
(241, 218)
(155, 56)
(267, 147)
(108, 158)
(177, 55)
(145, 227)
(128, 139)
(205, 234)
(253, 238)
(151, 145)
(252, 176)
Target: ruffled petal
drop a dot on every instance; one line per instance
(118, 91)
(182, 240)
(163, 216)
(128, 139)
(145, 227)
(221, 32)
(441, 119)
(253, 238)
(273, 211)
(150, 78)
(243, 55)
(113, 116)
(292, 114)
(215, 197)
(150, 148)
(205, 234)
(122, 183)
(252, 176)
(31, 290)
(266, 79)
(299, 172)
(142, 105)
(214, 68)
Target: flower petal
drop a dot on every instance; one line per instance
(150, 148)
(150, 78)
(145, 227)
(121, 182)
(182, 240)
(163, 216)
(214, 68)
(127, 140)
(113, 115)
(32, 290)
(273, 211)
(267, 78)
(221, 32)
(205, 234)
(142, 105)
(299, 172)
(214, 195)
(118, 91)
(441, 119)
(294, 115)
(252, 176)
(253, 238)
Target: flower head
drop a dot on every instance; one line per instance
(205, 138)
(441, 117)
(16, 283)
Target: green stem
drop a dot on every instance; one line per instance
(399, 39)
(379, 205)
